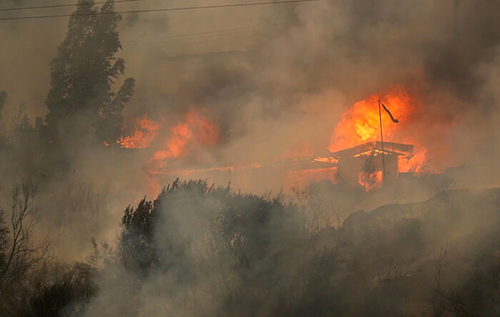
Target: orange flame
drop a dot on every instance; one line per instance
(361, 124)
(416, 163)
(142, 136)
(370, 181)
(194, 130)
(224, 169)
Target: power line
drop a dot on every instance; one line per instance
(198, 39)
(199, 35)
(61, 5)
(192, 36)
(156, 10)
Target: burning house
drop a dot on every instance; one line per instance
(371, 163)
(355, 156)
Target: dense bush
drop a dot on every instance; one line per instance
(200, 250)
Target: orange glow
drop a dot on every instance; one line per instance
(153, 186)
(142, 136)
(178, 151)
(194, 130)
(361, 123)
(302, 151)
(415, 164)
(330, 160)
(300, 178)
(187, 172)
(370, 181)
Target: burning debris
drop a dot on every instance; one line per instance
(256, 111)
(142, 136)
(195, 130)
(371, 163)
(358, 141)
(361, 122)
(359, 156)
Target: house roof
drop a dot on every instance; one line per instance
(390, 148)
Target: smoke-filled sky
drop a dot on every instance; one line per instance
(276, 78)
(258, 97)
(149, 41)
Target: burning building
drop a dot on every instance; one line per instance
(356, 156)
(372, 163)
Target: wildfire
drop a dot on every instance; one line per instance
(179, 141)
(142, 136)
(370, 181)
(359, 127)
(361, 123)
(194, 130)
(414, 164)
(231, 168)
(326, 160)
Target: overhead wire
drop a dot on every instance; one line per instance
(203, 37)
(53, 6)
(158, 10)
(190, 36)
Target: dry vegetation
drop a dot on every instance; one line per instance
(201, 250)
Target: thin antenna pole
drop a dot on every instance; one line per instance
(382, 141)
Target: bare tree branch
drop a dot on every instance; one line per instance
(21, 252)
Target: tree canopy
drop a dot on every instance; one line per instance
(81, 101)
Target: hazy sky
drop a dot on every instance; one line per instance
(330, 55)
(28, 46)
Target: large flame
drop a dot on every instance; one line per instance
(361, 123)
(179, 141)
(195, 130)
(142, 136)
(416, 164)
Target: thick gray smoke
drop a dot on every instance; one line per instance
(275, 80)
(265, 70)
(288, 87)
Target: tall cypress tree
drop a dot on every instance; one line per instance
(81, 101)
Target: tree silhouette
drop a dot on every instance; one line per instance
(81, 101)
(190, 218)
(19, 253)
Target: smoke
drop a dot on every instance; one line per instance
(275, 81)
(289, 88)
(264, 66)
(353, 49)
